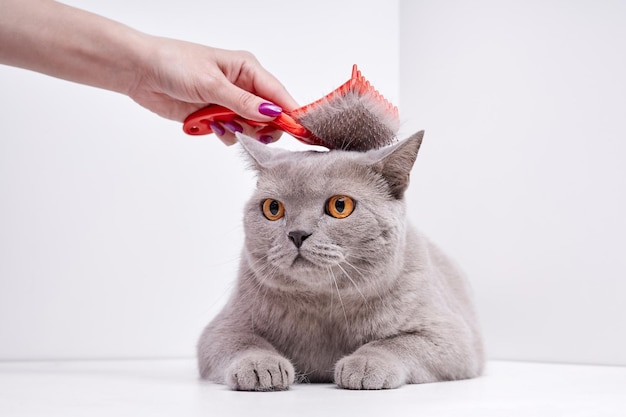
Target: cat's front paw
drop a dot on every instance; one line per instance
(364, 371)
(260, 371)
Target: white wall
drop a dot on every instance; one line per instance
(114, 241)
(522, 174)
(120, 235)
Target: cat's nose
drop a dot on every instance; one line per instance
(298, 236)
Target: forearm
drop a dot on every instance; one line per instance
(64, 42)
(169, 77)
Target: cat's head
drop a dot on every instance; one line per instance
(320, 220)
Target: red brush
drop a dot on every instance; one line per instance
(353, 117)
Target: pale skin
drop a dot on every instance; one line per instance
(170, 77)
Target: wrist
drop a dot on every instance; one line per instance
(136, 62)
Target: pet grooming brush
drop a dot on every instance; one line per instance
(353, 117)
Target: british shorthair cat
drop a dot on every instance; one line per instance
(335, 285)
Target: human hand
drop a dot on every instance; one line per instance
(178, 78)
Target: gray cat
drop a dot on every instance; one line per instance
(334, 285)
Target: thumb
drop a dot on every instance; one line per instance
(247, 104)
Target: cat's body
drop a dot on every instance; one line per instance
(334, 285)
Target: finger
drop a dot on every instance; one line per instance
(264, 134)
(228, 139)
(244, 103)
(225, 136)
(234, 126)
(245, 71)
(217, 128)
(267, 86)
(268, 134)
(260, 133)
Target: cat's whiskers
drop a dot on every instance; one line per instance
(332, 275)
(331, 292)
(357, 270)
(261, 274)
(353, 283)
(261, 271)
(360, 272)
(364, 259)
(370, 283)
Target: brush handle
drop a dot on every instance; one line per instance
(198, 123)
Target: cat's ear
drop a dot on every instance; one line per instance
(394, 163)
(257, 153)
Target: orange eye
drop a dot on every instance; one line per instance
(339, 206)
(273, 209)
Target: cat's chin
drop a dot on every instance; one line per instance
(300, 263)
(305, 263)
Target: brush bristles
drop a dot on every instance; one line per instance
(354, 117)
(351, 122)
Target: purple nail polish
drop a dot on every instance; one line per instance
(270, 109)
(217, 128)
(233, 127)
(266, 139)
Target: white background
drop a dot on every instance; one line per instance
(120, 236)
(522, 174)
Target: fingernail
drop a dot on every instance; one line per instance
(270, 109)
(217, 129)
(233, 127)
(266, 139)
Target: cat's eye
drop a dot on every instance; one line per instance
(273, 209)
(339, 206)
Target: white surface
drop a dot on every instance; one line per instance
(171, 388)
(521, 175)
(120, 235)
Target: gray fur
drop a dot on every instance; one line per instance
(352, 121)
(366, 302)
